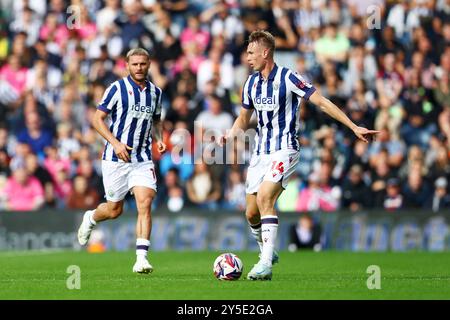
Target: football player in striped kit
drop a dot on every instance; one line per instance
(133, 107)
(274, 93)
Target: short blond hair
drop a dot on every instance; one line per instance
(264, 38)
(137, 52)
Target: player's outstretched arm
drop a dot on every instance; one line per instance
(332, 110)
(240, 124)
(121, 149)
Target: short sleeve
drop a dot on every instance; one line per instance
(109, 99)
(247, 102)
(157, 114)
(300, 86)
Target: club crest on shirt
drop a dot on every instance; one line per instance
(276, 86)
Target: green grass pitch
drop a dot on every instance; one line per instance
(188, 275)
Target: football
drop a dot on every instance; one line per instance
(228, 266)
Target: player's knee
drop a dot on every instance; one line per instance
(252, 215)
(264, 202)
(145, 204)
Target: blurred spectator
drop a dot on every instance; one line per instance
(214, 120)
(362, 69)
(441, 165)
(216, 66)
(195, 33)
(20, 153)
(332, 46)
(441, 198)
(63, 187)
(130, 24)
(14, 73)
(82, 196)
(23, 191)
(389, 81)
(7, 140)
(395, 149)
(221, 21)
(307, 17)
(54, 31)
(4, 43)
(34, 134)
(166, 36)
(288, 199)
(331, 156)
(415, 157)
(189, 60)
(3, 196)
(393, 199)
(389, 43)
(284, 34)
(416, 191)
(4, 163)
(40, 52)
(202, 189)
(35, 169)
(355, 190)
(67, 145)
(441, 94)
(107, 15)
(176, 9)
(171, 193)
(42, 81)
(380, 174)
(316, 197)
(29, 23)
(397, 19)
(86, 169)
(418, 67)
(334, 11)
(180, 111)
(421, 113)
(305, 234)
(235, 192)
(359, 155)
(181, 156)
(54, 163)
(358, 8)
(86, 28)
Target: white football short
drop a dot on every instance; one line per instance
(121, 177)
(274, 167)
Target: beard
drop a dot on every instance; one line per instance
(139, 77)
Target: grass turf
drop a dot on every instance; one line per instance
(188, 275)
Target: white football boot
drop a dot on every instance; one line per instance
(142, 266)
(84, 232)
(260, 271)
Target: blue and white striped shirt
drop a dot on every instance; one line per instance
(277, 104)
(132, 112)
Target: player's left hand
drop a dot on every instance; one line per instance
(161, 147)
(365, 134)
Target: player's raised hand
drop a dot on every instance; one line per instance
(365, 134)
(161, 147)
(121, 150)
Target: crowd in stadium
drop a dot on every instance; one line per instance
(385, 63)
